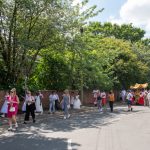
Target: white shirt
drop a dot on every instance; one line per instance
(29, 99)
(123, 93)
(103, 95)
(148, 96)
(53, 97)
(129, 97)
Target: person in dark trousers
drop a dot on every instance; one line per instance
(30, 107)
(111, 99)
(56, 100)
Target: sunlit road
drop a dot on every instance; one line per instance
(91, 130)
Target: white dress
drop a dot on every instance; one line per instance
(24, 106)
(38, 104)
(4, 108)
(77, 102)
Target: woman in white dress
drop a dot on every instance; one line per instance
(4, 108)
(77, 102)
(38, 103)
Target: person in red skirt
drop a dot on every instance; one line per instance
(141, 98)
(103, 96)
(13, 102)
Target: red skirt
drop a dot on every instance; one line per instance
(141, 101)
(103, 101)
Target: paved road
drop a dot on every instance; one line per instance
(88, 130)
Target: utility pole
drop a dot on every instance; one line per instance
(81, 72)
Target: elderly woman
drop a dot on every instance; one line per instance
(13, 102)
(30, 107)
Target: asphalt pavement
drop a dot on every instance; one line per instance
(87, 129)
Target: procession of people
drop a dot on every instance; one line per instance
(33, 103)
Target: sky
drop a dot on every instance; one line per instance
(136, 12)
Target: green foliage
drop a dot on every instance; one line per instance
(49, 44)
(124, 31)
(27, 26)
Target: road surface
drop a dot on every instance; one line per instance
(88, 130)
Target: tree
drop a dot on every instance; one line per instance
(27, 26)
(125, 31)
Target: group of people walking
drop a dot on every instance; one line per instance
(100, 99)
(138, 97)
(68, 100)
(33, 104)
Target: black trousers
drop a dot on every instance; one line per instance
(30, 109)
(111, 105)
(56, 105)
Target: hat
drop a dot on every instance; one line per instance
(13, 90)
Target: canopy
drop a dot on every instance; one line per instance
(139, 86)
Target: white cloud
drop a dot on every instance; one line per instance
(136, 12)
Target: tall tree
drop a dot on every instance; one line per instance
(27, 26)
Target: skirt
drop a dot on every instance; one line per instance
(4, 108)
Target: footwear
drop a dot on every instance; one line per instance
(68, 116)
(13, 129)
(24, 122)
(2, 115)
(10, 129)
(65, 117)
(131, 109)
(34, 121)
(16, 125)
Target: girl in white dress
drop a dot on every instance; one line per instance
(38, 103)
(4, 108)
(77, 102)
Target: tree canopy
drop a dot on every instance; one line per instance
(52, 45)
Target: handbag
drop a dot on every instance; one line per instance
(68, 106)
(12, 109)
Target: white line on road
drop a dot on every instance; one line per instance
(69, 144)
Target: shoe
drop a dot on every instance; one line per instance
(3, 116)
(10, 129)
(34, 121)
(68, 116)
(65, 117)
(24, 122)
(13, 129)
(16, 125)
(131, 109)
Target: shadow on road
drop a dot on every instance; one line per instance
(79, 121)
(34, 142)
(38, 136)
